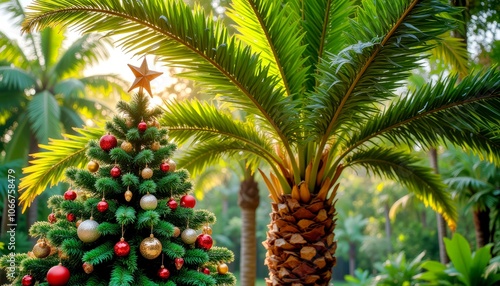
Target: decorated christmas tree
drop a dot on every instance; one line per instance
(128, 218)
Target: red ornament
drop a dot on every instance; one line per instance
(164, 167)
(115, 172)
(206, 271)
(52, 218)
(188, 201)
(70, 195)
(179, 261)
(58, 275)
(172, 204)
(122, 248)
(70, 217)
(163, 273)
(142, 126)
(102, 206)
(204, 241)
(28, 280)
(108, 142)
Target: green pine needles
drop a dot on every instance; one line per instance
(129, 199)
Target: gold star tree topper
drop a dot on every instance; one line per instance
(143, 77)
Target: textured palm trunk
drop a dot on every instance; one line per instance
(300, 242)
(248, 200)
(482, 227)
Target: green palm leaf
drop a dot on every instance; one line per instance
(452, 50)
(43, 115)
(48, 167)
(50, 42)
(70, 119)
(12, 52)
(16, 79)
(401, 167)
(17, 147)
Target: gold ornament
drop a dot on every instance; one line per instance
(126, 146)
(41, 249)
(147, 173)
(148, 202)
(129, 122)
(88, 268)
(150, 247)
(177, 231)
(189, 236)
(87, 231)
(172, 165)
(222, 268)
(207, 230)
(78, 222)
(155, 146)
(143, 76)
(92, 166)
(128, 195)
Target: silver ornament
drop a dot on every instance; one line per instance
(87, 231)
(148, 202)
(189, 236)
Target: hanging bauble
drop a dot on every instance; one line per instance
(172, 204)
(188, 201)
(87, 231)
(204, 241)
(78, 222)
(155, 146)
(103, 205)
(52, 218)
(142, 126)
(150, 247)
(189, 236)
(128, 195)
(163, 273)
(222, 268)
(58, 275)
(126, 146)
(92, 166)
(122, 248)
(206, 270)
(146, 173)
(70, 217)
(171, 163)
(115, 172)
(148, 202)
(128, 122)
(28, 280)
(179, 261)
(207, 230)
(108, 142)
(41, 249)
(70, 195)
(177, 231)
(88, 268)
(164, 167)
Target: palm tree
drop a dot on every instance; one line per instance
(350, 232)
(43, 91)
(318, 83)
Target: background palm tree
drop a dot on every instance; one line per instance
(350, 233)
(319, 85)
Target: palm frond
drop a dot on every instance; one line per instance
(387, 40)
(16, 79)
(15, 9)
(43, 114)
(107, 84)
(49, 165)
(12, 53)
(463, 114)
(453, 51)
(401, 167)
(70, 119)
(50, 42)
(18, 146)
(271, 28)
(467, 183)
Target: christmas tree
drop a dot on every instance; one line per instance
(128, 218)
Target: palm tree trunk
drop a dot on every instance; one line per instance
(248, 200)
(352, 258)
(300, 242)
(482, 226)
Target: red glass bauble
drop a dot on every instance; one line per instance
(70, 195)
(179, 261)
(122, 248)
(108, 142)
(163, 273)
(58, 276)
(164, 167)
(142, 126)
(52, 218)
(188, 201)
(172, 204)
(206, 271)
(204, 241)
(28, 280)
(70, 217)
(102, 206)
(115, 172)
